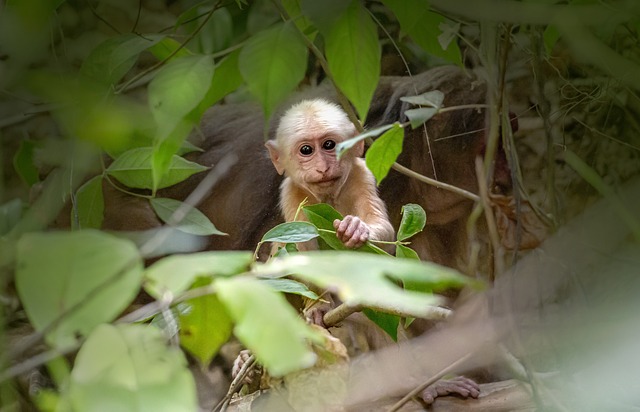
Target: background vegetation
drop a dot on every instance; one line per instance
(131, 80)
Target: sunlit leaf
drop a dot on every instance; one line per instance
(384, 151)
(291, 232)
(290, 286)
(417, 117)
(403, 251)
(194, 221)
(204, 326)
(363, 278)
(432, 98)
(88, 210)
(23, 163)
(90, 277)
(342, 147)
(423, 26)
(174, 274)
(267, 324)
(413, 221)
(272, 63)
(114, 57)
(353, 53)
(167, 48)
(130, 368)
(133, 168)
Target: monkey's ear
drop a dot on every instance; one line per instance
(274, 154)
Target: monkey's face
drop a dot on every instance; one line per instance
(314, 163)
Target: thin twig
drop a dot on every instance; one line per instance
(490, 218)
(237, 382)
(449, 369)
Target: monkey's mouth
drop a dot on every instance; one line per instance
(327, 181)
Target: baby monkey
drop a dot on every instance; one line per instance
(304, 151)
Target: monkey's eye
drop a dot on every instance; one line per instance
(329, 145)
(306, 150)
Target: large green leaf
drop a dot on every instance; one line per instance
(88, 210)
(130, 368)
(174, 93)
(89, 273)
(353, 54)
(387, 322)
(413, 221)
(273, 63)
(291, 232)
(425, 27)
(174, 274)
(133, 168)
(204, 326)
(194, 221)
(384, 151)
(267, 324)
(114, 57)
(366, 279)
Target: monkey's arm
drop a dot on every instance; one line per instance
(367, 217)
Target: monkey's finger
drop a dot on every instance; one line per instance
(353, 226)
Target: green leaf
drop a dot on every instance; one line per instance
(342, 147)
(291, 232)
(417, 117)
(114, 57)
(403, 251)
(169, 48)
(322, 216)
(290, 286)
(363, 278)
(10, 214)
(386, 322)
(294, 10)
(174, 274)
(413, 221)
(133, 168)
(23, 163)
(384, 151)
(174, 93)
(432, 98)
(324, 13)
(91, 273)
(178, 88)
(226, 79)
(194, 221)
(217, 33)
(424, 27)
(353, 54)
(272, 63)
(550, 37)
(204, 326)
(267, 325)
(130, 368)
(262, 15)
(88, 210)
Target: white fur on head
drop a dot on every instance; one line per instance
(313, 116)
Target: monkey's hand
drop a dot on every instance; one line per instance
(460, 386)
(252, 377)
(351, 231)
